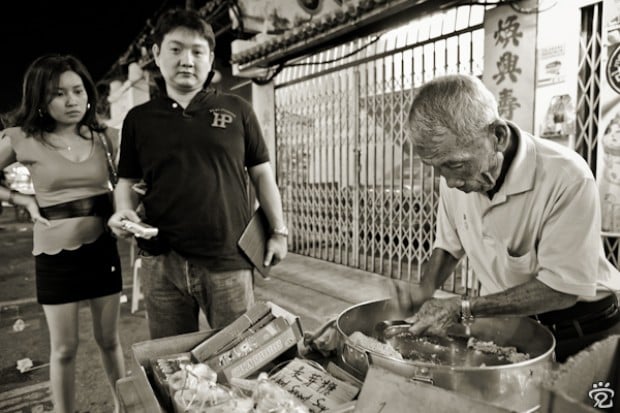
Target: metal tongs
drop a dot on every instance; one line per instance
(387, 329)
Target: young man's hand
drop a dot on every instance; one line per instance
(116, 225)
(276, 250)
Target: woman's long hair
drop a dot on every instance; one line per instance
(40, 82)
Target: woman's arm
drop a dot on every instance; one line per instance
(8, 157)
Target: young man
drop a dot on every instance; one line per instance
(524, 210)
(191, 147)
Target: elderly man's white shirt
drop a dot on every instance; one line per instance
(544, 222)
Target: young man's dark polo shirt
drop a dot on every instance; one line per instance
(193, 163)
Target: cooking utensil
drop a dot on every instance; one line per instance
(513, 385)
(387, 329)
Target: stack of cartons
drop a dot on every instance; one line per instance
(239, 350)
(252, 341)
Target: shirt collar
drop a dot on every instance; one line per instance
(200, 97)
(522, 172)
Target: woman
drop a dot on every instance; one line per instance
(56, 135)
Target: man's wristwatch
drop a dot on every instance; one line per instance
(466, 315)
(283, 231)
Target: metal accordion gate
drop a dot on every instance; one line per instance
(353, 192)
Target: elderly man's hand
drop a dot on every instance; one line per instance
(436, 316)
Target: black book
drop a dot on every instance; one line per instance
(253, 241)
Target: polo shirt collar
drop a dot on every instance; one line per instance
(522, 172)
(198, 98)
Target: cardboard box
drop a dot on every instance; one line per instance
(249, 344)
(145, 351)
(387, 392)
(259, 358)
(585, 379)
(215, 344)
(132, 395)
(162, 368)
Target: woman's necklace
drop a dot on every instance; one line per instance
(62, 141)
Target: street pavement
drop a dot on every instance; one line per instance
(18, 302)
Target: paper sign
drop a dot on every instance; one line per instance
(317, 389)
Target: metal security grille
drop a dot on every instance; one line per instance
(589, 83)
(352, 191)
(588, 103)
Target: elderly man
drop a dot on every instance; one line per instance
(524, 210)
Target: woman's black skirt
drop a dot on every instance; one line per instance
(91, 271)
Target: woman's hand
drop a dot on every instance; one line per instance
(30, 203)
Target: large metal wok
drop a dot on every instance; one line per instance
(513, 385)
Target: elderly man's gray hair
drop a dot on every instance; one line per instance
(458, 105)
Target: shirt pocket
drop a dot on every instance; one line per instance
(521, 266)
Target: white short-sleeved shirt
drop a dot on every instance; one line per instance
(544, 223)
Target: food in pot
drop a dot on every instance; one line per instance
(441, 350)
(510, 353)
(375, 345)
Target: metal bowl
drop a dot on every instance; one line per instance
(511, 385)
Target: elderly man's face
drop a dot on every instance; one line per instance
(474, 168)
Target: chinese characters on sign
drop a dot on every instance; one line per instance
(317, 389)
(508, 30)
(509, 66)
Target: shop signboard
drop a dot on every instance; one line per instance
(509, 64)
(608, 165)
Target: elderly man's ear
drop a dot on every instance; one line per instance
(501, 132)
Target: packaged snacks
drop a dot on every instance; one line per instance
(268, 397)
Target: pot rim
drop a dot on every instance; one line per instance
(374, 354)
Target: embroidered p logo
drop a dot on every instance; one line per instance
(221, 118)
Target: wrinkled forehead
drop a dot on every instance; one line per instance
(447, 155)
(437, 148)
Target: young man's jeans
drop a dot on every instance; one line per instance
(175, 289)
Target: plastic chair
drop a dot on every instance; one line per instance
(136, 293)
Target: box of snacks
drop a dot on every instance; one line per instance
(176, 380)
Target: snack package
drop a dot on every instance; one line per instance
(203, 398)
(194, 389)
(167, 370)
(249, 344)
(220, 340)
(268, 397)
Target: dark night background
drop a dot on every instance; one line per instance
(97, 32)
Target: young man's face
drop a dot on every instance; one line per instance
(184, 59)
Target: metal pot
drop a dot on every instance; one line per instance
(515, 386)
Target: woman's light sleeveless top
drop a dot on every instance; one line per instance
(57, 179)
